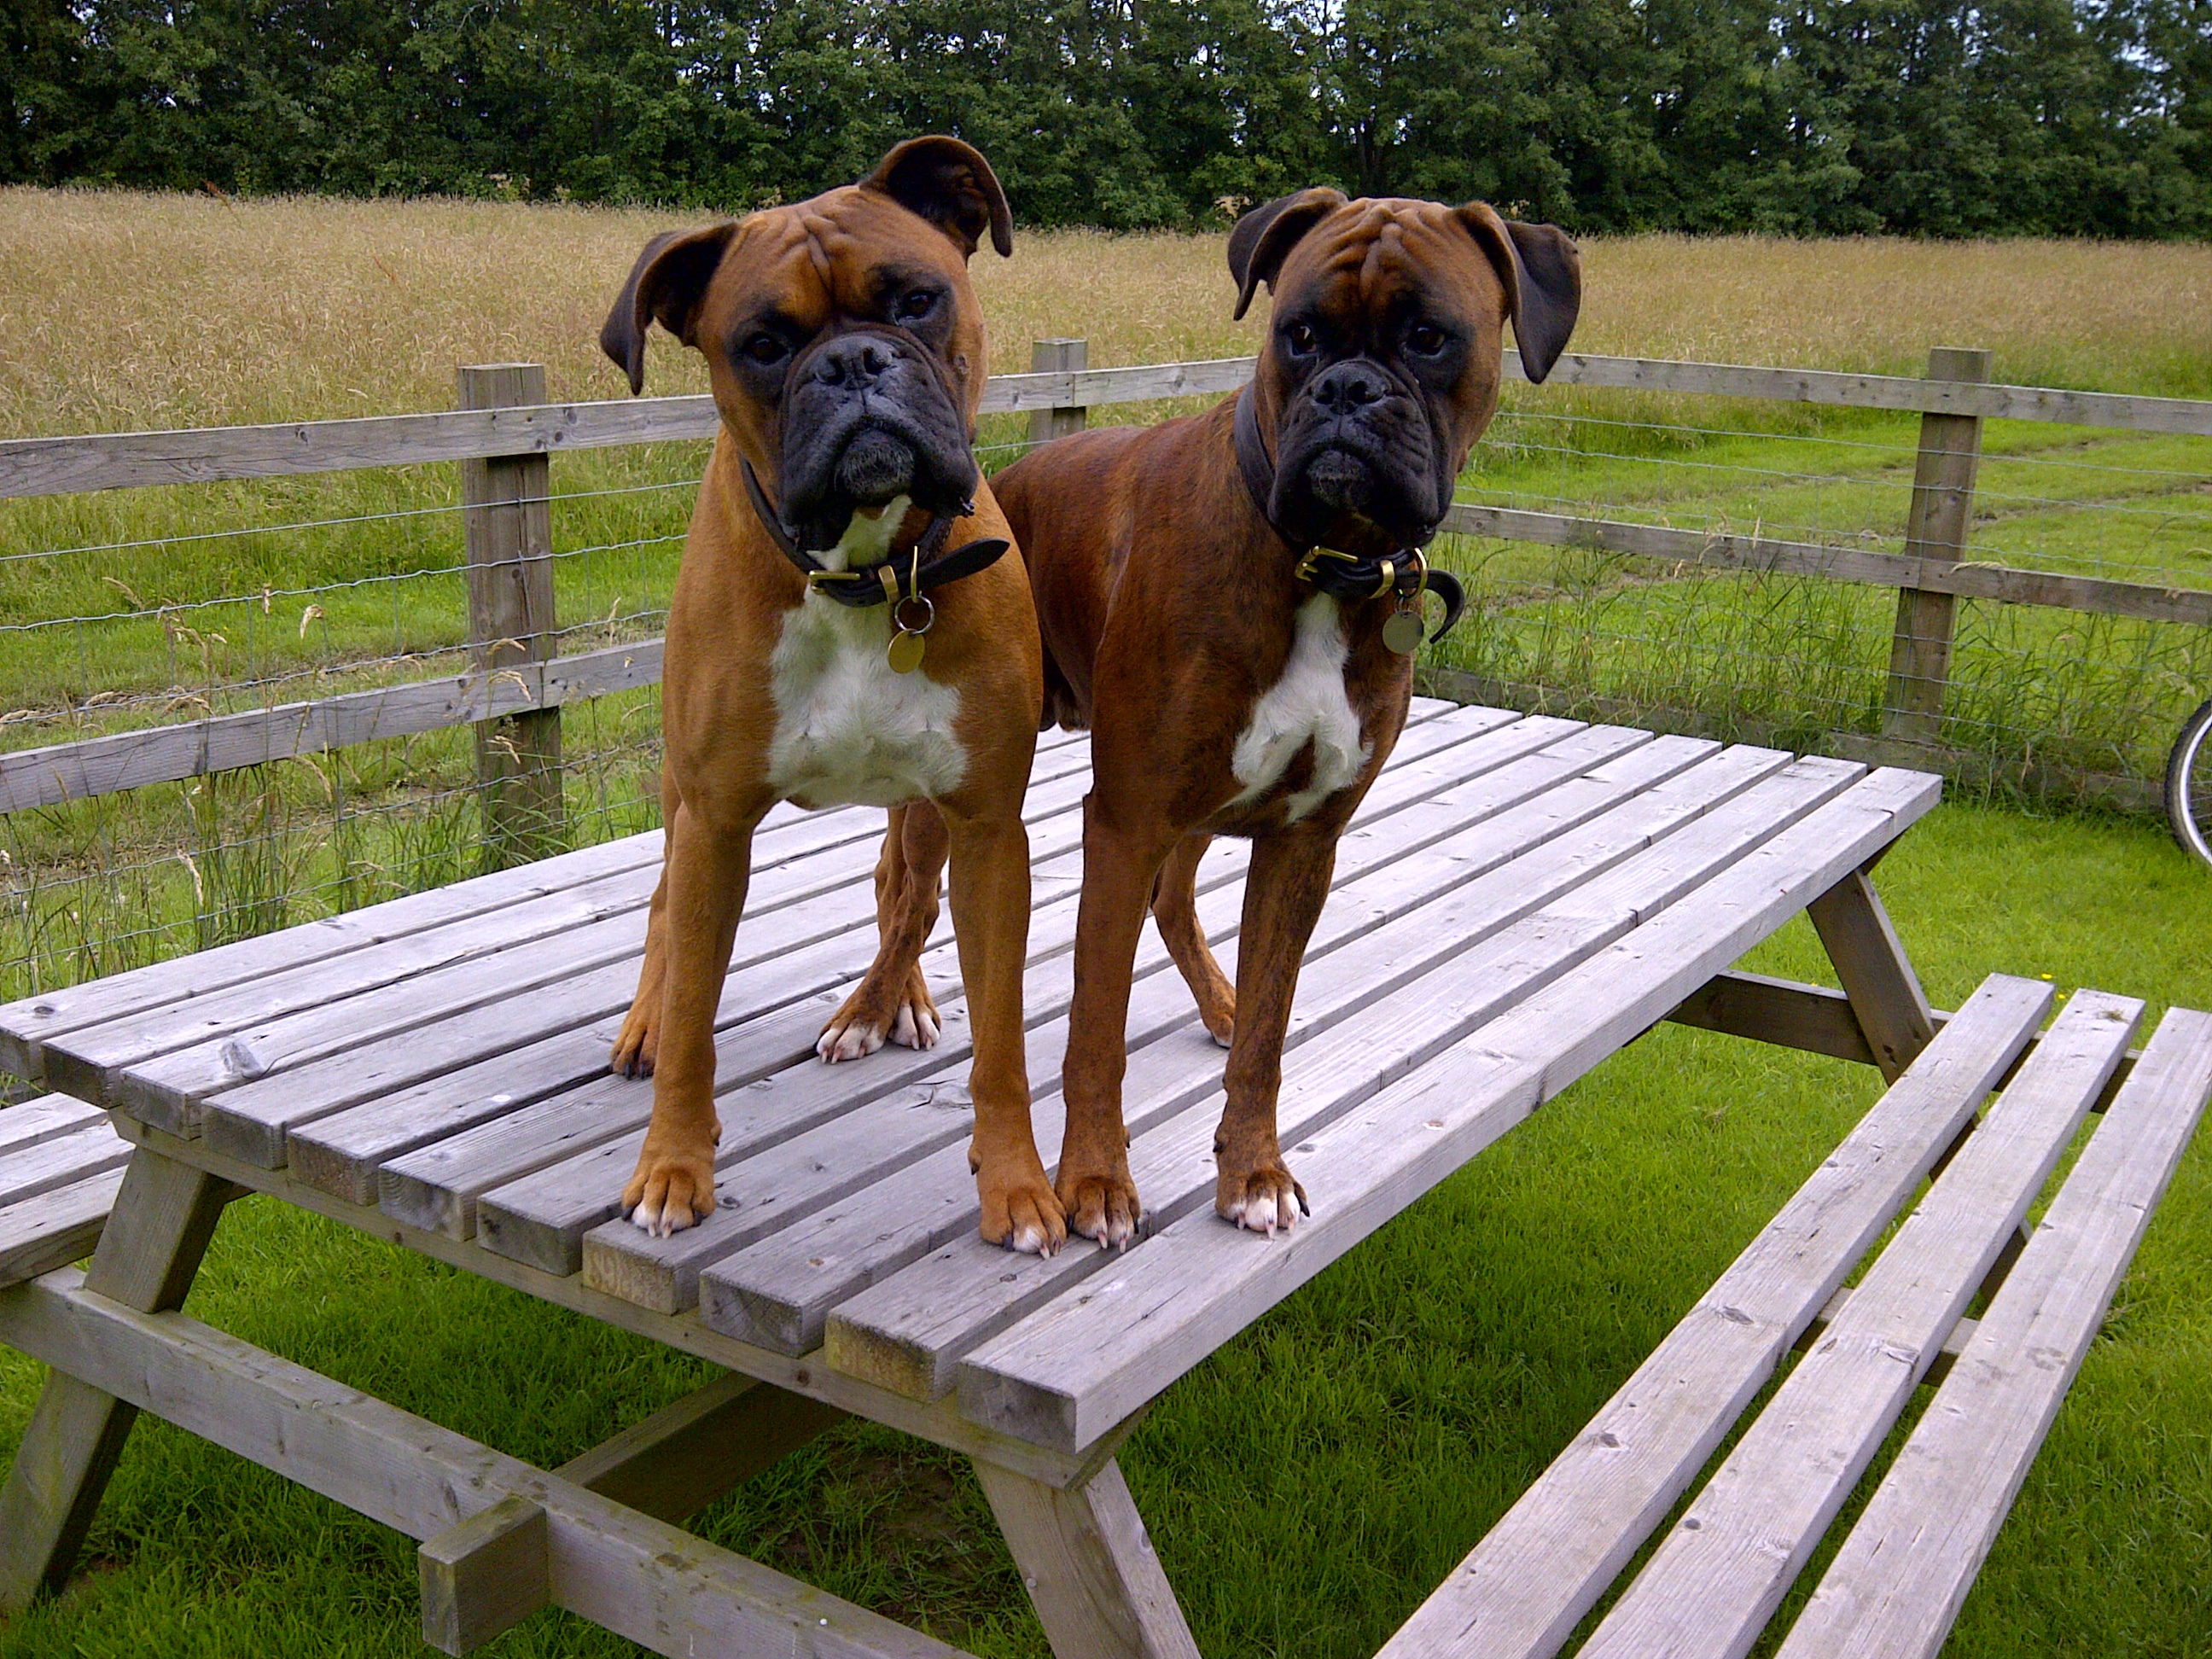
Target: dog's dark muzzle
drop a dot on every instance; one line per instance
(869, 415)
(1356, 439)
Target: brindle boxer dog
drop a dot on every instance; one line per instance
(1230, 602)
(842, 630)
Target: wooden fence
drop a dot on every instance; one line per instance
(504, 433)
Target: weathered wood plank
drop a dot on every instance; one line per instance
(1775, 556)
(169, 1090)
(47, 466)
(61, 1162)
(122, 460)
(1157, 1311)
(639, 1577)
(55, 1227)
(780, 1293)
(26, 1025)
(1899, 1579)
(1896, 392)
(938, 1423)
(31, 1121)
(1720, 1574)
(1521, 1591)
(95, 1054)
(910, 1331)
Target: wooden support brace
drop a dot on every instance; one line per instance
(1885, 994)
(685, 1456)
(640, 1578)
(1098, 1589)
(164, 1216)
(484, 1575)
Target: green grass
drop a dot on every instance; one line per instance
(1308, 1485)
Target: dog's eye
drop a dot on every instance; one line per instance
(916, 306)
(1301, 337)
(766, 349)
(1426, 339)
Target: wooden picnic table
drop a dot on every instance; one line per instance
(1519, 898)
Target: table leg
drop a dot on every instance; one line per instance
(1891, 1008)
(1099, 1590)
(159, 1230)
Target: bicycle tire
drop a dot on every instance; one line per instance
(2189, 785)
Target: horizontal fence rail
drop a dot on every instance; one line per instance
(66, 466)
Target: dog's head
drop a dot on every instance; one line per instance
(842, 334)
(1381, 364)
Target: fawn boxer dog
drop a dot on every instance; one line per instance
(1230, 602)
(843, 630)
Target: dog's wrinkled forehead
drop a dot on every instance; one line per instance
(849, 253)
(1370, 257)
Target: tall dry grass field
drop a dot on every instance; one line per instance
(125, 311)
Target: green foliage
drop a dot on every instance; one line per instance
(1928, 117)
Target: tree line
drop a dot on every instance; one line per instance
(1826, 117)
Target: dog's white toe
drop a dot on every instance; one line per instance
(1028, 1239)
(849, 1041)
(1266, 1215)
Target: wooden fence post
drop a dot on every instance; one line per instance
(1058, 356)
(507, 524)
(1936, 531)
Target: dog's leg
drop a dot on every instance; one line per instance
(893, 1001)
(1283, 896)
(707, 871)
(1119, 869)
(635, 1045)
(991, 925)
(1174, 908)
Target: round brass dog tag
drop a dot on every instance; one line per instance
(905, 653)
(1402, 633)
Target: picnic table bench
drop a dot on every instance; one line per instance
(1519, 898)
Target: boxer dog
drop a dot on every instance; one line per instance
(842, 630)
(1230, 602)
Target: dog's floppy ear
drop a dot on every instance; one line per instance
(1542, 271)
(666, 286)
(952, 186)
(1264, 237)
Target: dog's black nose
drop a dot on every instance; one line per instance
(855, 362)
(1342, 388)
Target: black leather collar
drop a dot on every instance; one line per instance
(1342, 575)
(902, 576)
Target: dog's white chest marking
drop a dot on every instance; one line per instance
(848, 729)
(1309, 703)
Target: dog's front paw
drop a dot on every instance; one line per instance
(670, 1191)
(1100, 1205)
(1020, 1210)
(905, 1014)
(1266, 1199)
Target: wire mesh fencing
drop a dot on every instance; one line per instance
(144, 609)
(2046, 701)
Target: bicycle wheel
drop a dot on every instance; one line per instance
(2189, 785)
